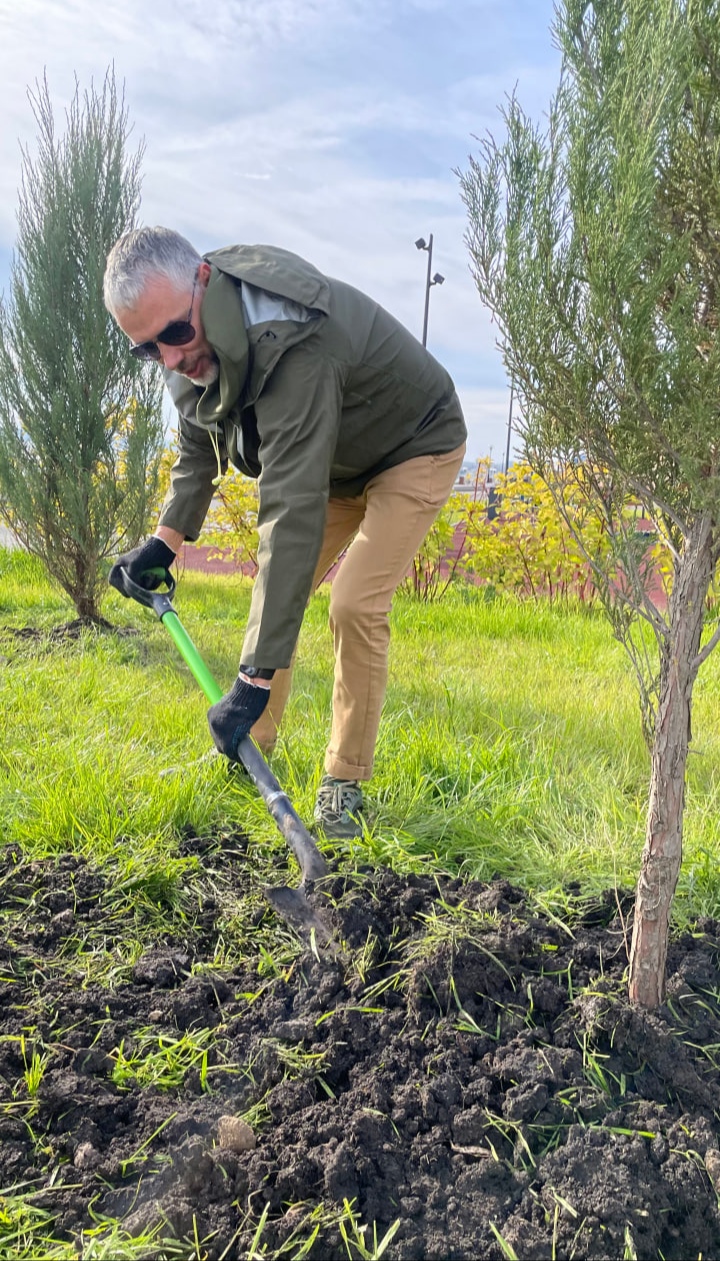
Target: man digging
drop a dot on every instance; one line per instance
(355, 434)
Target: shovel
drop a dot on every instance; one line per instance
(290, 903)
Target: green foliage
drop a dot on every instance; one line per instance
(80, 420)
(230, 527)
(541, 543)
(356, 1235)
(595, 244)
(442, 557)
(160, 1061)
(231, 524)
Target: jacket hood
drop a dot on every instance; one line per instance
(277, 271)
(224, 326)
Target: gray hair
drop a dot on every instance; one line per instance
(142, 254)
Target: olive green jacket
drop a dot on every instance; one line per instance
(313, 406)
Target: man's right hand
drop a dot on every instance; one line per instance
(139, 564)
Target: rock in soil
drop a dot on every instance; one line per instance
(466, 1072)
(235, 1134)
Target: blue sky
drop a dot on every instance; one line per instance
(329, 127)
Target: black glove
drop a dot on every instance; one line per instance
(152, 554)
(235, 713)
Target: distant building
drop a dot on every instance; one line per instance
(472, 478)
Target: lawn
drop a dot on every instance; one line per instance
(510, 742)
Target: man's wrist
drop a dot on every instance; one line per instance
(256, 674)
(171, 538)
(256, 682)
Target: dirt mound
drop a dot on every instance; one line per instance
(465, 1068)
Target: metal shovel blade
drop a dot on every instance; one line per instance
(290, 904)
(293, 906)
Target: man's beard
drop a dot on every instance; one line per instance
(209, 376)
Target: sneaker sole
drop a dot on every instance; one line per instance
(339, 831)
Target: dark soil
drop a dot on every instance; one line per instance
(465, 1066)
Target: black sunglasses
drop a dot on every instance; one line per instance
(178, 333)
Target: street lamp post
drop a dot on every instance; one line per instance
(437, 279)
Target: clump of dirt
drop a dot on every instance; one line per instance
(465, 1067)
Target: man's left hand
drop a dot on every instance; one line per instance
(143, 565)
(232, 718)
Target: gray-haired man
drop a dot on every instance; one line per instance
(356, 435)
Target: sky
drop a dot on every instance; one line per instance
(333, 128)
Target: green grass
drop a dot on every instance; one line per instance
(26, 1234)
(510, 743)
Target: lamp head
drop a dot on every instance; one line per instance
(420, 243)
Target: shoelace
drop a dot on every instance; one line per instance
(339, 797)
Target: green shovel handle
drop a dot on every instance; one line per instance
(191, 656)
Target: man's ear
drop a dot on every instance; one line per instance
(204, 274)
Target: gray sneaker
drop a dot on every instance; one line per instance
(338, 807)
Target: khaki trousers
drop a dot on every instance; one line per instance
(386, 524)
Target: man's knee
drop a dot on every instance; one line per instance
(356, 611)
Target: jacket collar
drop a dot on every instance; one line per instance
(246, 362)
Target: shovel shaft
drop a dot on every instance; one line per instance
(191, 656)
(311, 862)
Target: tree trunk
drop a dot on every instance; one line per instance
(662, 852)
(84, 584)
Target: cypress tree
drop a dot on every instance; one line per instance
(80, 420)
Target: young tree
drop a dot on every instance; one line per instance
(80, 420)
(596, 245)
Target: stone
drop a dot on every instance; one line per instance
(86, 1156)
(235, 1135)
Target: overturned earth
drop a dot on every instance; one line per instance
(460, 1077)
